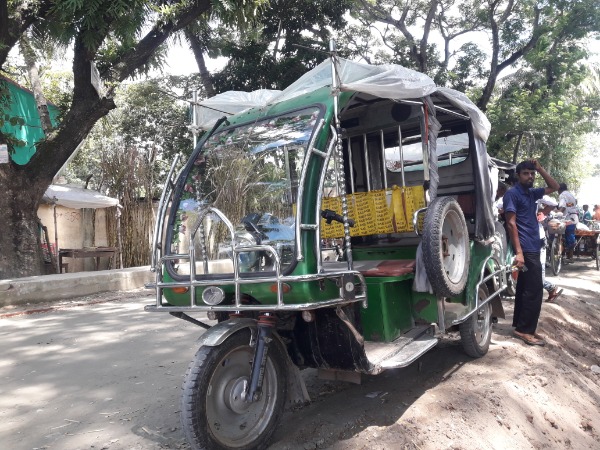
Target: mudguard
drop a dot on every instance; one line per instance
(217, 334)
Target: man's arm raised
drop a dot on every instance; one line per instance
(551, 182)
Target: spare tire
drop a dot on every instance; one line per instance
(446, 252)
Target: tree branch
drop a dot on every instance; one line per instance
(197, 49)
(139, 55)
(496, 67)
(535, 37)
(36, 85)
(87, 106)
(24, 16)
(424, 40)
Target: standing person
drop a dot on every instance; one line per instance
(545, 206)
(498, 202)
(596, 215)
(567, 203)
(523, 229)
(587, 214)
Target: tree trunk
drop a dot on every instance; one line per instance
(20, 243)
(196, 46)
(22, 188)
(517, 148)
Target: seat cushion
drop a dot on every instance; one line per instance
(390, 268)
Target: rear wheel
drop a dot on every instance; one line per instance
(511, 283)
(214, 413)
(511, 276)
(476, 331)
(556, 254)
(597, 254)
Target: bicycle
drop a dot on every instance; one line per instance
(556, 230)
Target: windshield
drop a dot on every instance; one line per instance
(250, 173)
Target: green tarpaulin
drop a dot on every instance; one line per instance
(21, 104)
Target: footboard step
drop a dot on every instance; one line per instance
(401, 352)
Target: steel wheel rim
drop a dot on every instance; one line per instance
(482, 323)
(232, 421)
(453, 251)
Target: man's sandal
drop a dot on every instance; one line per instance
(553, 296)
(529, 339)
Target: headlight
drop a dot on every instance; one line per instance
(213, 295)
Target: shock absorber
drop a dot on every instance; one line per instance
(266, 325)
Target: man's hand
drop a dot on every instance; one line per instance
(536, 163)
(519, 260)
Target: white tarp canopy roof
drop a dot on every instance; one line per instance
(77, 198)
(386, 81)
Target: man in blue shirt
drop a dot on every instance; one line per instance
(520, 209)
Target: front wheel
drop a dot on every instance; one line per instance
(597, 255)
(214, 413)
(476, 331)
(556, 254)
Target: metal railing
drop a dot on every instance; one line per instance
(484, 279)
(237, 280)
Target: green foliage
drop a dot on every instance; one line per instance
(539, 111)
(123, 19)
(131, 148)
(551, 121)
(58, 89)
(287, 38)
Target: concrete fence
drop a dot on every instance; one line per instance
(62, 286)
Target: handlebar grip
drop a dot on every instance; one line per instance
(330, 216)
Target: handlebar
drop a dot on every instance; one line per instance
(251, 227)
(330, 216)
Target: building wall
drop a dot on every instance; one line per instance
(71, 225)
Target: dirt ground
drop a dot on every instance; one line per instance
(516, 397)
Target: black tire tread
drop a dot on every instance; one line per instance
(556, 263)
(467, 335)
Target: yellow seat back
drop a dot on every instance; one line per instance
(376, 212)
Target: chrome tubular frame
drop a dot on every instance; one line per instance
(501, 271)
(160, 214)
(299, 225)
(238, 281)
(319, 204)
(415, 220)
(238, 306)
(385, 180)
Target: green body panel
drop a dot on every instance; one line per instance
(424, 307)
(22, 105)
(389, 313)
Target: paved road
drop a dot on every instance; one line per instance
(102, 376)
(100, 373)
